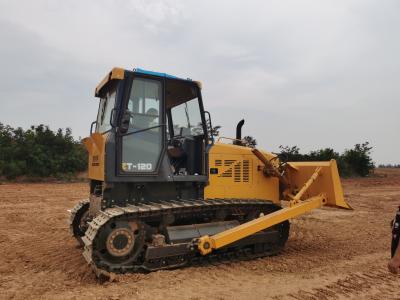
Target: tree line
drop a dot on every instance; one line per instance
(352, 162)
(40, 152)
(389, 166)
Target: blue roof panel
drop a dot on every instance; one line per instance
(138, 70)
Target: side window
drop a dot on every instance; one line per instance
(186, 119)
(103, 118)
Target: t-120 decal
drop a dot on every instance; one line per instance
(131, 167)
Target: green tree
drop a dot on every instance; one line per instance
(358, 159)
(250, 141)
(288, 153)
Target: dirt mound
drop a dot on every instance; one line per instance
(331, 254)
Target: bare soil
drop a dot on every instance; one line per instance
(331, 254)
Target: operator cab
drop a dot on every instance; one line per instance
(154, 118)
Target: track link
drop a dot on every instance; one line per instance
(248, 248)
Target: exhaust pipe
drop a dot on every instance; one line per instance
(239, 133)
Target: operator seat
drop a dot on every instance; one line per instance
(186, 154)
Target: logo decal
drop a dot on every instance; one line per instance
(95, 161)
(131, 167)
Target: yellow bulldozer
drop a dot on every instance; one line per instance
(166, 193)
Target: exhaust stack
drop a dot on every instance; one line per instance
(239, 133)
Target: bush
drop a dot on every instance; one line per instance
(249, 141)
(356, 161)
(39, 152)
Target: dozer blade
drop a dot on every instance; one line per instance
(328, 181)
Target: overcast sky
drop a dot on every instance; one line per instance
(308, 73)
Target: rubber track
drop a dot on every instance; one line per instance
(167, 207)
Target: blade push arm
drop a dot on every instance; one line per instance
(206, 244)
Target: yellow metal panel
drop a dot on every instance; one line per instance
(115, 73)
(239, 175)
(99, 141)
(88, 144)
(95, 145)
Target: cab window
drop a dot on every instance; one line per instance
(186, 119)
(107, 103)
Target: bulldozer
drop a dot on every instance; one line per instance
(165, 192)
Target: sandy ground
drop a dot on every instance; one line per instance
(331, 254)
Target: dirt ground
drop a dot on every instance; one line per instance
(331, 254)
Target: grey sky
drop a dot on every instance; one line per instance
(308, 73)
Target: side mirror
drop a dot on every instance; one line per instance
(125, 121)
(91, 126)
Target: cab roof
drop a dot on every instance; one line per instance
(119, 74)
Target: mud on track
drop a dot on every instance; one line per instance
(331, 254)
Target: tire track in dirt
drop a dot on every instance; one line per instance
(354, 285)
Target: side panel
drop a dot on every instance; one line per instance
(235, 172)
(95, 145)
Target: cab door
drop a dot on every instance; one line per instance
(142, 144)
